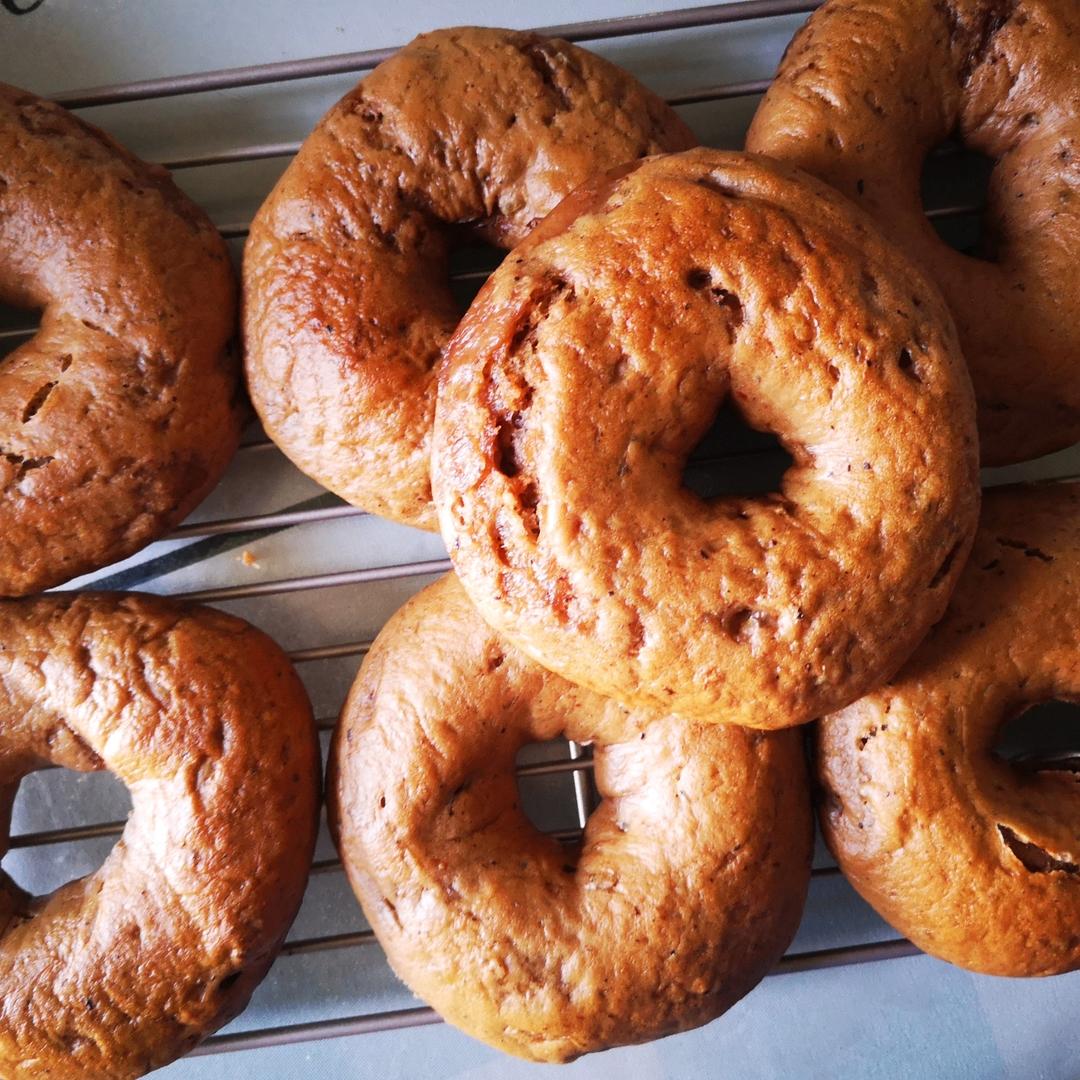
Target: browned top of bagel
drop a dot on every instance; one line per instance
(121, 413)
(466, 131)
(597, 356)
(977, 860)
(205, 721)
(685, 891)
(868, 88)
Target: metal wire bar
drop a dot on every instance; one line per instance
(239, 230)
(328, 943)
(263, 151)
(941, 213)
(415, 1017)
(234, 231)
(255, 152)
(314, 1030)
(344, 63)
(329, 866)
(260, 522)
(252, 522)
(720, 92)
(694, 96)
(263, 522)
(115, 828)
(582, 792)
(64, 836)
(845, 955)
(353, 939)
(261, 443)
(316, 581)
(330, 652)
(576, 763)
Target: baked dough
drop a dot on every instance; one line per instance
(687, 889)
(464, 133)
(975, 859)
(205, 721)
(868, 88)
(597, 356)
(122, 412)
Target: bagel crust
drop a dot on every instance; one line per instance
(122, 412)
(594, 360)
(975, 859)
(867, 89)
(205, 721)
(346, 274)
(689, 883)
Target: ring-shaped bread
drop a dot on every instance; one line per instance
(867, 89)
(122, 412)
(597, 356)
(690, 879)
(464, 133)
(205, 721)
(973, 857)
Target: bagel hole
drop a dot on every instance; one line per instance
(471, 264)
(733, 458)
(955, 187)
(17, 325)
(549, 794)
(56, 799)
(1041, 736)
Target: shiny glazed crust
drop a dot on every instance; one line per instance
(204, 720)
(975, 859)
(688, 887)
(347, 301)
(597, 356)
(121, 413)
(868, 88)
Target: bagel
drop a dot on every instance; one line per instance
(204, 720)
(689, 883)
(867, 89)
(463, 133)
(122, 412)
(976, 859)
(597, 356)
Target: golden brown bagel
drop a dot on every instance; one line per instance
(869, 87)
(975, 859)
(121, 413)
(690, 880)
(597, 356)
(346, 275)
(205, 721)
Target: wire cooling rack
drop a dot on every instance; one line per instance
(200, 562)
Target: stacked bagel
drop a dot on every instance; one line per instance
(594, 597)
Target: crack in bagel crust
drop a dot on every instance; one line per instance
(465, 131)
(122, 412)
(594, 360)
(973, 857)
(867, 89)
(686, 890)
(205, 721)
